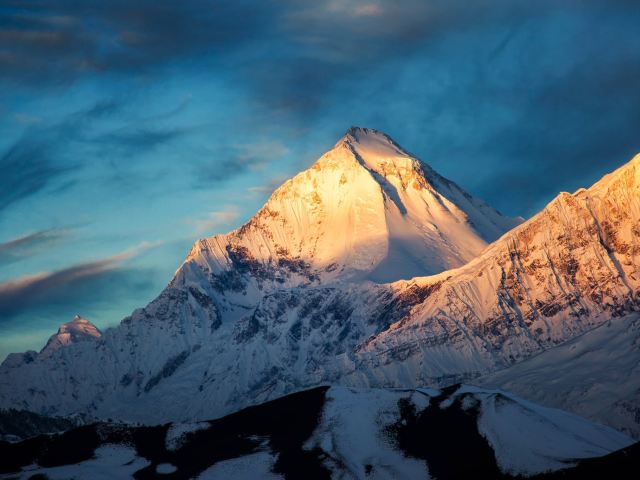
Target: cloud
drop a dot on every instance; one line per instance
(238, 159)
(289, 55)
(28, 245)
(292, 57)
(216, 220)
(569, 125)
(27, 168)
(40, 290)
(369, 9)
(492, 80)
(40, 156)
(53, 42)
(25, 119)
(268, 187)
(46, 154)
(131, 140)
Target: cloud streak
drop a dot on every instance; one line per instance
(47, 154)
(27, 168)
(234, 160)
(216, 220)
(31, 244)
(50, 288)
(57, 42)
(267, 188)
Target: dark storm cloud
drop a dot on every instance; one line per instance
(575, 97)
(80, 284)
(577, 111)
(571, 133)
(27, 245)
(290, 52)
(57, 41)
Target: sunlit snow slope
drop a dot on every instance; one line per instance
(365, 209)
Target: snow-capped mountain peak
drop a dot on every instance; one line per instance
(77, 330)
(365, 209)
(373, 144)
(381, 155)
(253, 314)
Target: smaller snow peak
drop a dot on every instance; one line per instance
(77, 330)
(79, 323)
(78, 319)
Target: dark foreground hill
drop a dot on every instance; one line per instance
(335, 432)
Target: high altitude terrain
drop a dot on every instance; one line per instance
(338, 433)
(294, 298)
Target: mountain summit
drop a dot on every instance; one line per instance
(279, 304)
(77, 330)
(367, 209)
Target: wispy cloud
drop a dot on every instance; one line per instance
(42, 288)
(27, 168)
(216, 220)
(27, 245)
(268, 187)
(37, 159)
(25, 119)
(238, 159)
(131, 140)
(53, 42)
(369, 9)
(47, 153)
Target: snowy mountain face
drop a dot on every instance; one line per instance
(570, 268)
(77, 330)
(366, 209)
(458, 432)
(284, 302)
(596, 375)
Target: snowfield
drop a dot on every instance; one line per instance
(596, 375)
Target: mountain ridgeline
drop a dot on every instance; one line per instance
(367, 270)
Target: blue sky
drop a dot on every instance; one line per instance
(130, 129)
